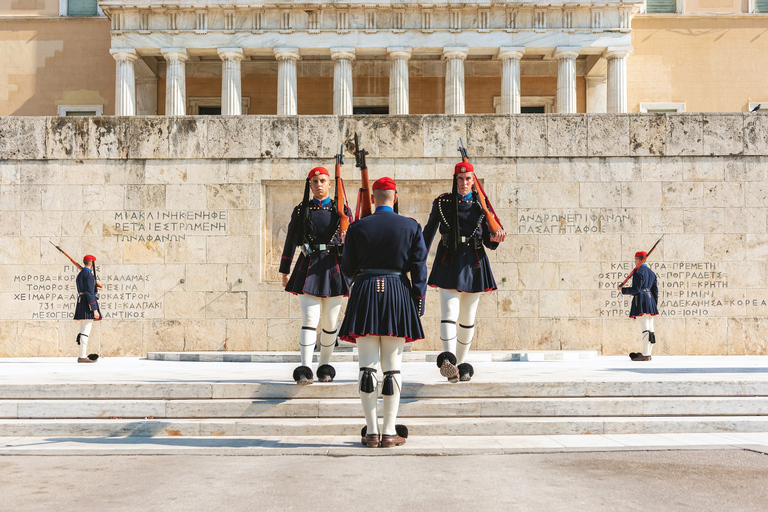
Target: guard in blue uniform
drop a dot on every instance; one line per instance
(87, 308)
(645, 298)
(461, 269)
(384, 308)
(316, 277)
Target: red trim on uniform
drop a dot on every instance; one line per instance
(641, 314)
(352, 337)
(462, 291)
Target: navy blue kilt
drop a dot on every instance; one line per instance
(381, 305)
(83, 311)
(318, 274)
(643, 304)
(466, 271)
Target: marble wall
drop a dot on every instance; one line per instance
(187, 218)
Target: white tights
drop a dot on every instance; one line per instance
(462, 307)
(85, 332)
(313, 310)
(646, 327)
(371, 349)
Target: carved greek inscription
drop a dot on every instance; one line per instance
(54, 295)
(685, 289)
(167, 226)
(573, 222)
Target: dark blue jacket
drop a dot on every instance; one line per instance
(645, 293)
(86, 295)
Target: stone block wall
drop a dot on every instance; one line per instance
(187, 217)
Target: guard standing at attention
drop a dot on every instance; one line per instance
(461, 269)
(645, 298)
(384, 308)
(87, 308)
(317, 278)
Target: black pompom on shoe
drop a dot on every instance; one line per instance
(326, 373)
(633, 355)
(447, 364)
(93, 357)
(303, 375)
(466, 372)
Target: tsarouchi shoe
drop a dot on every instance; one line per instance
(447, 364)
(303, 375)
(466, 372)
(641, 357)
(633, 355)
(85, 360)
(326, 373)
(388, 441)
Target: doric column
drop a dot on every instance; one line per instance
(398, 80)
(596, 94)
(231, 97)
(566, 79)
(287, 98)
(617, 78)
(175, 81)
(510, 79)
(342, 80)
(125, 81)
(454, 79)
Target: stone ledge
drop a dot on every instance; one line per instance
(419, 136)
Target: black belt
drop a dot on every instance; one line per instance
(645, 289)
(308, 249)
(381, 272)
(473, 241)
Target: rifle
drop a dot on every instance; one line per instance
(341, 194)
(79, 266)
(363, 208)
(641, 263)
(493, 221)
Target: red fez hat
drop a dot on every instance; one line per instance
(317, 171)
(384, 184)
(463, 167)
(89, 257)
(641, 254)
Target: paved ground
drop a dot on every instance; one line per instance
(711, 480)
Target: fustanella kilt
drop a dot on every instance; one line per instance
(381, 305)
(318, 274)
(643, 304)
(466, 271)
(83, 311)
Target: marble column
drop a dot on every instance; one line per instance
(287, 97)
(596, 94)
(342, 80)
(125, 81)
(454, 79)
(510, 79)
(175, 81)
(398, 80)
(566, 79)
(231, 97)
(617, 79)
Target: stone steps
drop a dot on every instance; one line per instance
(496, 407)
(261, 427)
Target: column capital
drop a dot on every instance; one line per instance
(343, 52)
(230, 53)
(595, 78)
(566, 52)
(287, 53)
(124, 54)
(455, 52)
(175, 53)
(399, 52)
(617, 52)
(511, 52)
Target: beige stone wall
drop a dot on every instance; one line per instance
(14, 8)
(55, 61)
(711, 63)
(187, 219)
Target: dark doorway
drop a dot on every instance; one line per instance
(370, 110)
(532, 110)
(209, 111)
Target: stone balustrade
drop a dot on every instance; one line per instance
(187, 217)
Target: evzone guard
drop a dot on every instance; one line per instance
(384, 308)
(645, 298)
(461, 269)
(315, 228)
(87, 308)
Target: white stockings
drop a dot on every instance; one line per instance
(318, 312)
(388, 350)
(458, 307)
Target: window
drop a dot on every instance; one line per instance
(530, 104)
(211, 106)
(762, 104)
(761, 6)
(660, 6)
(80, 110)
(532, 110)
(370, 110)
(79, 8)
(662, 108)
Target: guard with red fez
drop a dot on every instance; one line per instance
(461, 269)
(384, 308)
(316, 277)
(87, 308)
(645, 298)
